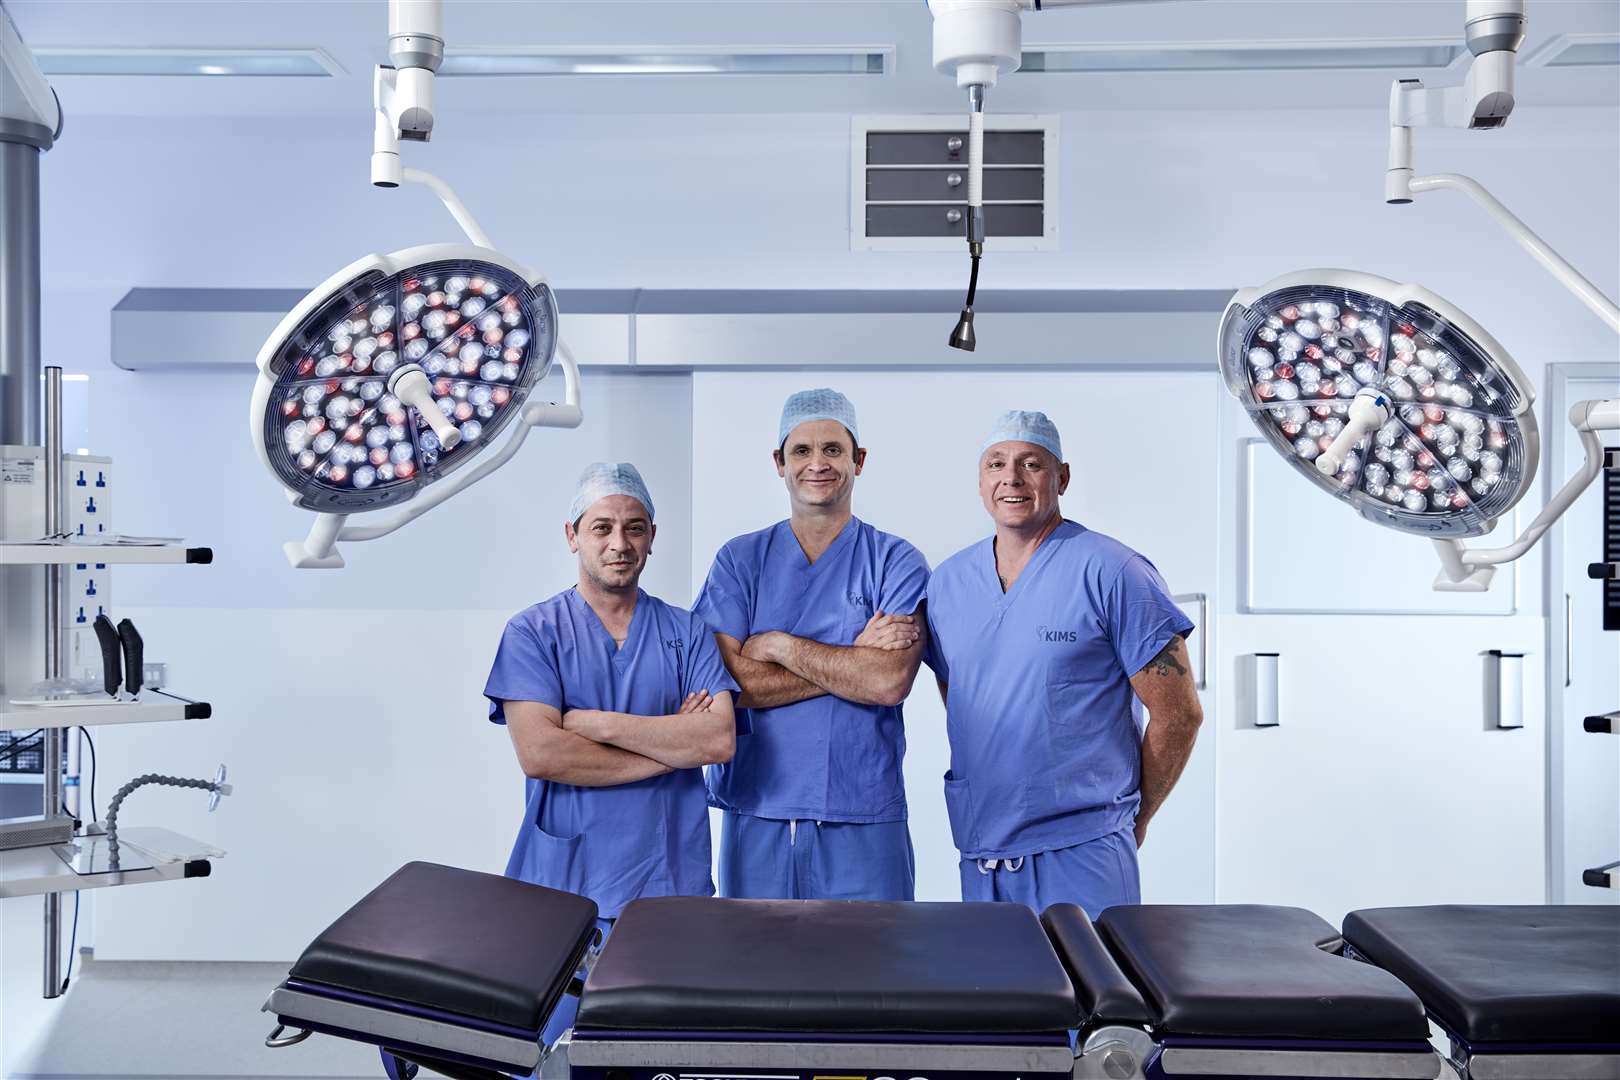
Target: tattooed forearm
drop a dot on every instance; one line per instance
(1166, 663)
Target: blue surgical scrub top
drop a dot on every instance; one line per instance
(1045, 747)
(612, 844)
(823, 759)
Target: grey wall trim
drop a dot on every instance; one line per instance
(171, 329)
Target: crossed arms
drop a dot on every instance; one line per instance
(596, 748)
(776, 668)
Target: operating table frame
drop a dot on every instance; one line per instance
(693, 988)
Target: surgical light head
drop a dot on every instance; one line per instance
(819, 404)
(1020, 425)
(603, 478)
(394, 374)
(1385, 396)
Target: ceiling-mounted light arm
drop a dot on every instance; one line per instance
(1554, 263)
(1463, 570)
(452, 202)
(1494, 30)
(319, 549)
(402, 92)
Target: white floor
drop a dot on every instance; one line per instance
(191, 1020)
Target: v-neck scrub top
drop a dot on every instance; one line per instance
(612, 844)
(825, 758)
(1045, 747)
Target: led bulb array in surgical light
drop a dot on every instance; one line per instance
(1452, 445)
(342, 428)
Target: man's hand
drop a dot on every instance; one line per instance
(1141, 829)
(696, 701)
(890, 632)
(767, 648)
(579, 721)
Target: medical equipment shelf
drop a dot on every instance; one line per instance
(39, 870)
(64, 554)
(153, 706)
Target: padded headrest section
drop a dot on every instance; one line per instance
(475, 944)
(1104, 993)
(1529, 973)
(1252, 970)
(698, 964)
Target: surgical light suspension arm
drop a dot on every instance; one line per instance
(1554, 263)
(1463, 570)
(402, 91)
(1494, 29)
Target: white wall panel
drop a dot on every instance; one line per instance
(1124, 435)
(1381, 784)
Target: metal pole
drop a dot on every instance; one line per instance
(19, 289)
(53, 660)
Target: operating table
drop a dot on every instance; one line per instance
(457, 972)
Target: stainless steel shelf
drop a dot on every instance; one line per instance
(162, 856)
(109, 554)
(152, 707)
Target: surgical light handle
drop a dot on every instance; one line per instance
(319, 548)
(410, 384)
(535, 414)
(1369, 411)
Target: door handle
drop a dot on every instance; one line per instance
(1569, 641)
(1202, 600)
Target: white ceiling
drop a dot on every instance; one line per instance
(354, 33)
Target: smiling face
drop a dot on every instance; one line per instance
(819, 463)
(1019, 484)
(613, 539)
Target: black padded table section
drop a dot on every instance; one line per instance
(1528, 973)
(695, 964)
(456, 940)
(1105, 994)
(1241, 970)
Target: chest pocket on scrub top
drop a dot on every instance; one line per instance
(857, 613)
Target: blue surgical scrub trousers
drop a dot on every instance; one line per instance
(767, 859)
(1096, 875)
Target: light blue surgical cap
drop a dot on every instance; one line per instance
(603, 478)
(1019, 425)
(822, 404)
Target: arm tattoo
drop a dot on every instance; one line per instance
(1166, 663)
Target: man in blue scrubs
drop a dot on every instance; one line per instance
(614, 701)
(1045, 638)
(819, 619)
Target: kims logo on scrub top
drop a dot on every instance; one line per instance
(1047, 633)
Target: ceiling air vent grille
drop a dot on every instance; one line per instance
(908, 186)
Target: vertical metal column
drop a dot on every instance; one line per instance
(19, 283)
(53, 660)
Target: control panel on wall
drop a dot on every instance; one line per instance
(908, 189)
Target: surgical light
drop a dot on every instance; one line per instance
(379, 388)
(1414, 414)
(392, 374)
(1385, 396)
